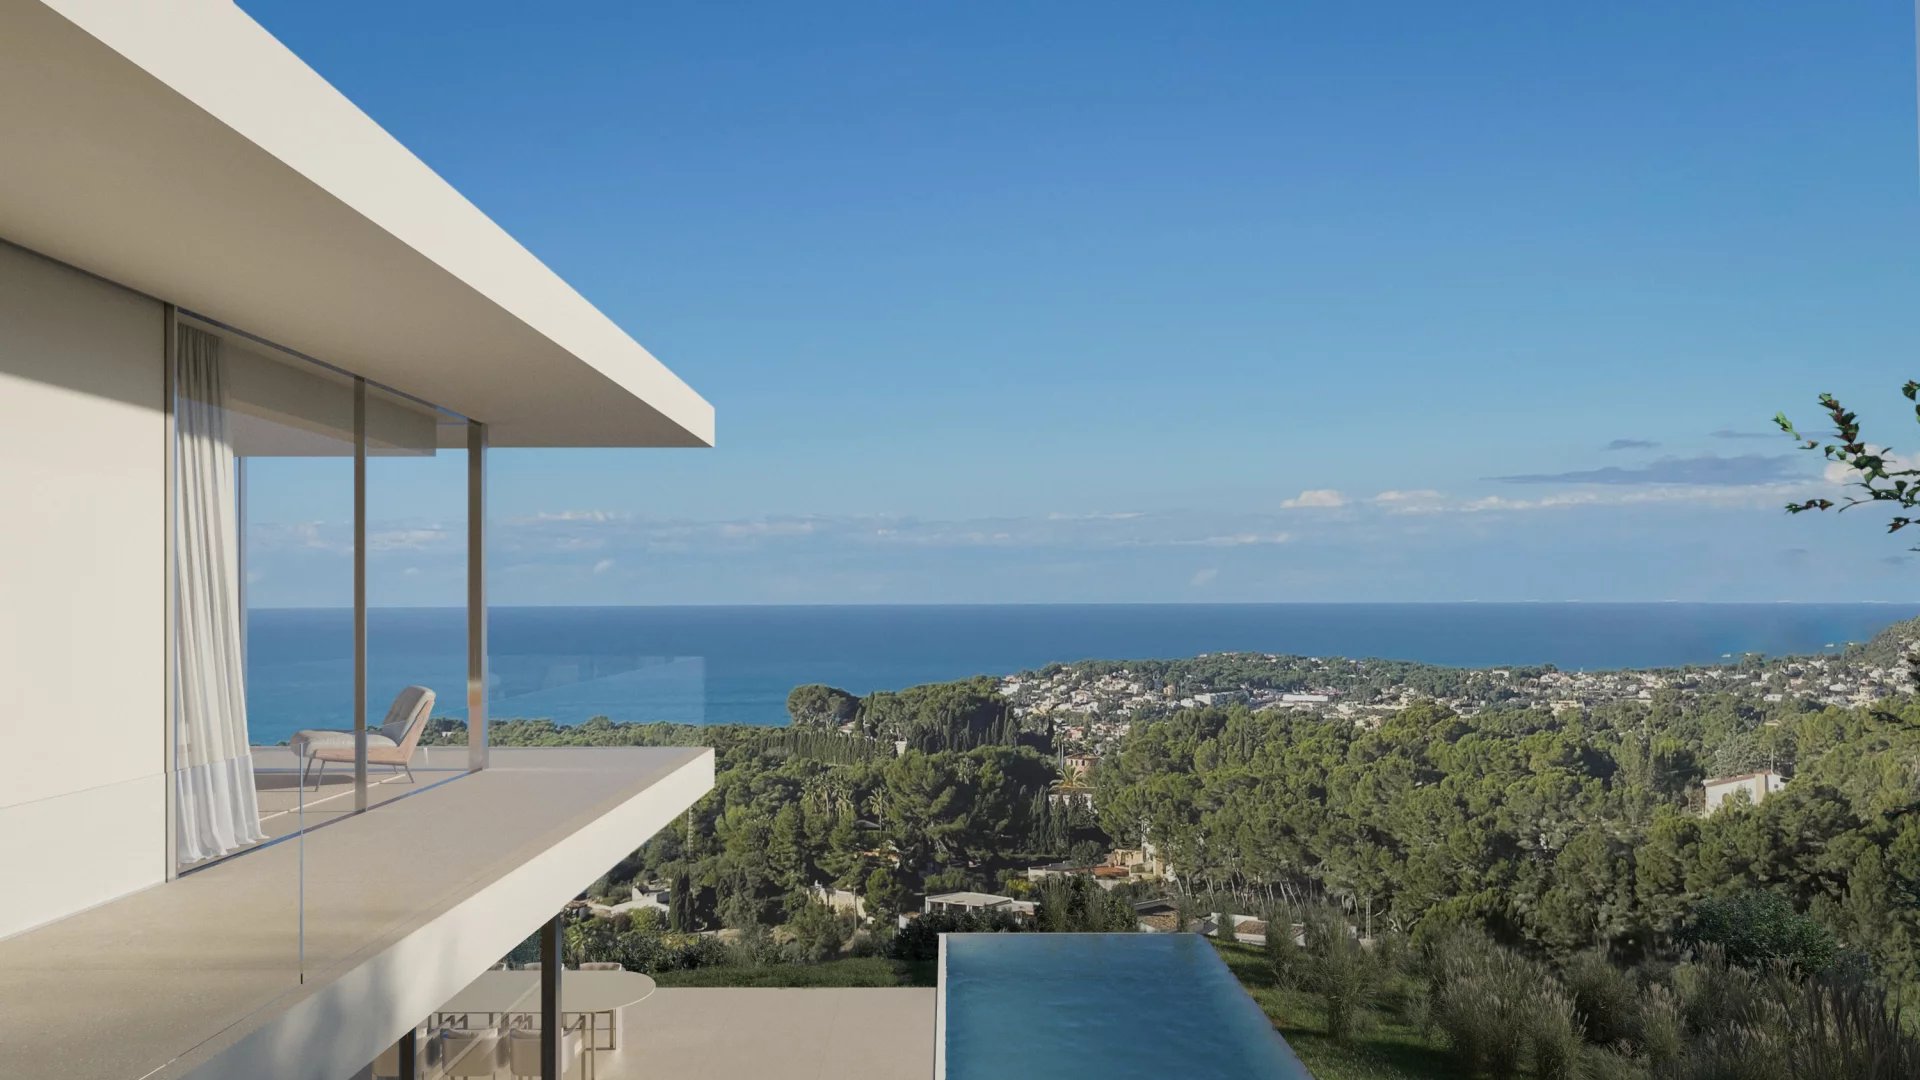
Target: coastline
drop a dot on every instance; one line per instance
(737, 664)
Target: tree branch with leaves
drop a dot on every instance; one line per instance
(1877, 473)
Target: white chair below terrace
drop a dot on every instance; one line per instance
(470, 1053)
(523, 1053)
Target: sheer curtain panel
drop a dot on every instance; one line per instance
(217, 811)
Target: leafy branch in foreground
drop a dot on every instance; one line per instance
(1876, 471)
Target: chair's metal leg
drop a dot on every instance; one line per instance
(304, 770)
(409, 769)
(321, 775)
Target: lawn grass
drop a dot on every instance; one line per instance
(859, 971)
(1385, 1049)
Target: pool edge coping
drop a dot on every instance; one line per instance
(940, 1013)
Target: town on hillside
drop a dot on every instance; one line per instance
(1092, 704)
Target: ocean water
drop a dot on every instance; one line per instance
(1141, 1006)
(737, 664)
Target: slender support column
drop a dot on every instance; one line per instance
(240, 547)
(169, 346)
(410, 1054)
(359, 594)
(476, 595)
(551, 1037)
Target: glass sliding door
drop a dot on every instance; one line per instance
(416, 567)
(320, 582)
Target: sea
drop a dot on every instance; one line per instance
(736, 665)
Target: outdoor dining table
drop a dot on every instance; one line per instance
(516, 994)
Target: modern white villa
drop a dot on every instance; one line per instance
(209, 258)
(223, 289)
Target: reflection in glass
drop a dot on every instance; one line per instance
(416, 592)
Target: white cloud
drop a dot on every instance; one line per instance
(603, 566)
(405, 539)
(1759, 495)
(1203, 578)
(300, 536)
(1316, 499)
(735, 530)
(1236, 540)
(592, 517)
(1416, 495)
(581, 534)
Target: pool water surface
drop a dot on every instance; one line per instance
(1116, 1006)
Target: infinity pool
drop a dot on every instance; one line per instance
(1115, 1006)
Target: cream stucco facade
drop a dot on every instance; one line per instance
(82, 439)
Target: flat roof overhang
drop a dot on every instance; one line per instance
(404, 905)
(180, 150)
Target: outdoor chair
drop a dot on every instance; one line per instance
(392, 743)
(470, 1053)
(523, 1052)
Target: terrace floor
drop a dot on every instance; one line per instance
(767, 1034)
(286, 802)
(305, 958)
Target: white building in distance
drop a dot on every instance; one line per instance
(1757, 785)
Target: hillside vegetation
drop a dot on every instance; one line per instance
(1535, 851)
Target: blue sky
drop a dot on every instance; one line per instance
(1147, 302)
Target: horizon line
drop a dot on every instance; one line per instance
(1122, 603)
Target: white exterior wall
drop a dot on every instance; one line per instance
(1756, 787)
(82, 646)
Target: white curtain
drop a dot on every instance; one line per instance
(217, 811)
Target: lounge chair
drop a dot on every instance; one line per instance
(392, 743)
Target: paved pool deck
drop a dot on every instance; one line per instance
(778, 1034)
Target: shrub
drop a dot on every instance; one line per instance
(1485, 1002)
(1714, 994)
(1077, 904)
(1757, 929)
(867, 943)
(819, 932)
(920, 939)
(1845, 1027)
(1283, 953)
(1599, 1064)
(1605, 999)
(951, 879)
(1780, 1025)
(1340, 970)
(1554, 1037)
(1662, 1027)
